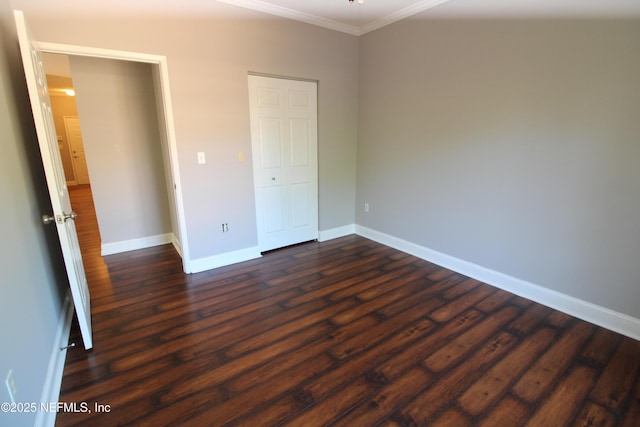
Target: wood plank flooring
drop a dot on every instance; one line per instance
(346, 332)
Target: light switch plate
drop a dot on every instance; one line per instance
(201, 158)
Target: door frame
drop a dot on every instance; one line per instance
(160, 73)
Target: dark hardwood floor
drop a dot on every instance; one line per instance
(346, 332)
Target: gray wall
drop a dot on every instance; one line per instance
(511, 144)
(118, 116)
(31, 276)
(209, 55)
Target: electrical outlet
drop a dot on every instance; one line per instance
(225, 227)
(11, 387)
(366, 207)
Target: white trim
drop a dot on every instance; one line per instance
(602, 316)
(401, 14)
(319, 21)
(53, 380)
(284, 12)
(227, 258)
(163, 68)
(334, 233)
(247, 254)
(161, 62)
(135, 244)
(176, 244)
(96, 52)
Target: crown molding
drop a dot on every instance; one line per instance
(401, 14)
(283, 12)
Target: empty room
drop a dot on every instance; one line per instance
(359, 213)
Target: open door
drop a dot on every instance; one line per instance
(62, 217)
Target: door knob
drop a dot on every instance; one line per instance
(48, 219)
(71, 215)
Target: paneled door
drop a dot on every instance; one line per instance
(63, 218)
(284, 139)
(78, 158)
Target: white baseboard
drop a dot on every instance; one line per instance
(53, 380)
(209, 263)
(228, 258)
(334, 233)
(134, 244)
(602, 316)
(176, 244)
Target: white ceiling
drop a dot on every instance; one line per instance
(357, 19)
(340, 15)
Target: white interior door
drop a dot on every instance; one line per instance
(62, 217)
(78, 158)
(284, 138)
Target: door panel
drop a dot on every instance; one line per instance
(56, 182)
(274, 214)
(299, 131)
(300, 205)
(270, 143)
(299, 99)
(285, 160)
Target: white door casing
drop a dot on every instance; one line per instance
(284, 137)
(160, 71)
(78, 157)
(54, 173)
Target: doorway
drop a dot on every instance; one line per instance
(63, 104)
(166, 146)
(115, 100)
(76, 149)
